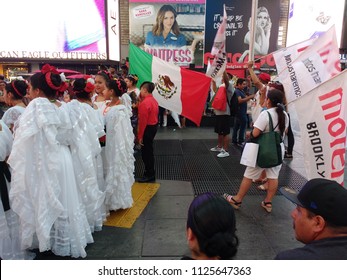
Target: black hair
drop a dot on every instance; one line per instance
(133, 78)
(79, 89)
(38, 81)
(118, 86)
(212, 220)
(148, 85)
(276, 98)
(105, 74)
(18, 88)
(240, 81)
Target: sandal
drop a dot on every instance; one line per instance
(232, 201)
(262, 187)
(290, 156)
(267, 206)
(259, 181)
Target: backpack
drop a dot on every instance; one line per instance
(234, 104)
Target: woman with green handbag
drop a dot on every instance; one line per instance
(279, 117)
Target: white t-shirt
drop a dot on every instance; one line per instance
(262, 121)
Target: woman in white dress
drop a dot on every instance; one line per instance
(43, 189)
(119, 147)
(86, 152)
(14, 94)
(9, 223)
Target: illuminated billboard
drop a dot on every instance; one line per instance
(310, 18)
(172, 30)
(59, 30)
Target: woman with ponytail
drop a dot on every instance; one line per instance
(211, 228)
(44, 192)
(274, 104)
(14, 95)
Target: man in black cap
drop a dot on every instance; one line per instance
(319, 221)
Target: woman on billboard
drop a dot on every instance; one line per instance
(166, 31)
(262, 34)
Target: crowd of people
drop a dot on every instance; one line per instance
(66, 163)
(67, 158)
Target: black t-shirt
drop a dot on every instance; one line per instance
(323, 249)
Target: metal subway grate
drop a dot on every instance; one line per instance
(204, 167)
(167, 147)
(191, 160)
(171, 168)
(196, 147)
(212, 186)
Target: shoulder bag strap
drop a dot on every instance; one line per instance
(270, 122)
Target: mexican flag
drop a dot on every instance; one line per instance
(177, 89)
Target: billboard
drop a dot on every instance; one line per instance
(310, 18)
(238, 29)
(58, 30)
(172, 30)
(113, 30)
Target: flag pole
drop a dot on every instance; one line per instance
(253, 29)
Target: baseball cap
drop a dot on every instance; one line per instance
(264, 77)
(323, 197)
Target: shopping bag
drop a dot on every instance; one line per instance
(249, 154)
(270, 151)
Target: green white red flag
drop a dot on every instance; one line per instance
(177, 89)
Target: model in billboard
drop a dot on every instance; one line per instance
(262, 34)
(170, 30)
(166, 31)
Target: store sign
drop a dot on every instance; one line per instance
(63, 30)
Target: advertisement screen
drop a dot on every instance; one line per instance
(113, 30)
(310, 18)
(59, 30)
(238, 29)
(172, 30)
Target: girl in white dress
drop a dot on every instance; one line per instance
(43, 189)
(119, 147)
(9, 223)
(14, 94)
(87, 152)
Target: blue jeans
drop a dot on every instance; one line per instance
(239, 129)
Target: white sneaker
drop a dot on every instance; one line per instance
(216, 149)
(223, 153)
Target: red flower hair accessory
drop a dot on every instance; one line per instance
(89, 87)
(48, 69)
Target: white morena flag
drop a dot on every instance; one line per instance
(319, 62)
(219, 63)
(293, 52)
(323, 128)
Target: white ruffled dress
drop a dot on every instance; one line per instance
(44, 192)
(10, 248)
(12, 115)
(119, 152)
(85, 148)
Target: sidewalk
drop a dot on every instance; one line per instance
(159, 233)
